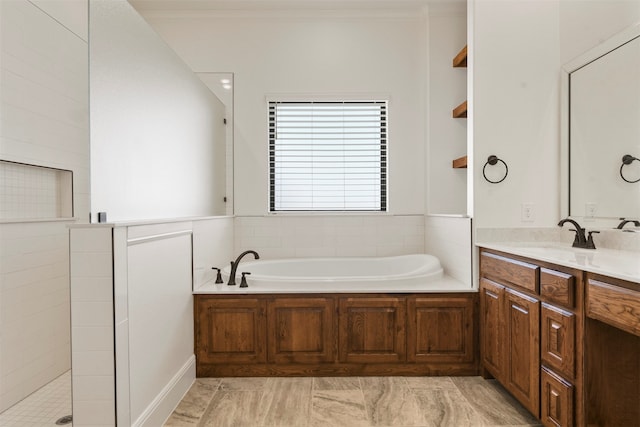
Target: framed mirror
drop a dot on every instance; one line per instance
(601, 127)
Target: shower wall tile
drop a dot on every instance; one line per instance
(300, 236)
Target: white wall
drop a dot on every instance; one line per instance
(311, 52)
(518, 49)
(154, 124)
(43, 121)
(447, 88)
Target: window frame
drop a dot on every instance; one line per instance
(383, 147)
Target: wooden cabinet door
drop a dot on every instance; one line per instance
(301, 330)
(372, 330)
(230, 331)
(558, 332)
(522, 350)
(440, 330)
(491, 329)
(557, 401)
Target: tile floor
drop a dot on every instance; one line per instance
(349, 402)
(43, 407)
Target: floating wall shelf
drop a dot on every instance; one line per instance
(460, 111)
(460, 163)
(461, 58)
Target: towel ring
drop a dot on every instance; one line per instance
(627, 159)
(493, 160)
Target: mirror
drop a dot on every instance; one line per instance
(601, 125)
(222, 86)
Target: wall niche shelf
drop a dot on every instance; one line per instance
(460, 111)
(460, 61)
(460, 163)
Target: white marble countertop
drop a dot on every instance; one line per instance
(443, 284)
(620, 264)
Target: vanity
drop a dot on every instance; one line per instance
(560, 330)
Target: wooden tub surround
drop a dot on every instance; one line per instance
(336, 334)
(563, 342)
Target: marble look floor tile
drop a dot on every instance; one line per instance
(392, 403)
(431, 383)
(194, 403)
(338, 408)
(446, 408)
(234, 408)
(336, 383)
(367, 383)
(286, 402)
(492, 402)
(242, 383)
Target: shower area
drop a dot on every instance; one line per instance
(44, 187)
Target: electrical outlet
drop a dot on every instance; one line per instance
(527, 212)
(590, 210)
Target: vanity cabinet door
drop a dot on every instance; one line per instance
(440, 330)
(522, 349)
(558, 339)
(301, 330)
(491, 342)
(372, 330)
(230, 331)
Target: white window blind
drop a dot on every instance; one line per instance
(328, 156)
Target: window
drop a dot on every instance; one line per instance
(328, 156)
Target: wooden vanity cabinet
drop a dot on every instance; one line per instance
(529, 329)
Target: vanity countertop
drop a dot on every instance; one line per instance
(620, 264)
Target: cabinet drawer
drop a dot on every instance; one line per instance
(614, 305)
(511, 271)
(558, 287)
(557, 400)
(558, 337)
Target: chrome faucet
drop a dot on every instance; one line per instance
(581, 240)
(625, 221)
(234, 266)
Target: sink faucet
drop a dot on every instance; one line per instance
(625, 221)
(234, 266)
(581, 240)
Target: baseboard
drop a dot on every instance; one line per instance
(166, 401)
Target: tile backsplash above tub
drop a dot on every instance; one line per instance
(294, 236)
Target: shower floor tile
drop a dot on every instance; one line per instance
(43, 407)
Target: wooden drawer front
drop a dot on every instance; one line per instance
(300, 330)
(558, 339)
(557, 400)
(558, 287)
(511, 271)
(614, 305)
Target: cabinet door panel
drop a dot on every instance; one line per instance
(557, 401)
(522, 319)
(440, 329)
(301, 330)
(558, 330)
(491, 343)
(372, 330)
(230, 330)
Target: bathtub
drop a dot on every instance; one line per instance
(398, 274)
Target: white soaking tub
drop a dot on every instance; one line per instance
(397, 274)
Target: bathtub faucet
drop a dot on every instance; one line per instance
(234, 266)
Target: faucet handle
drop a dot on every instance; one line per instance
(243, 281)
(590, 243)
(218, 276)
